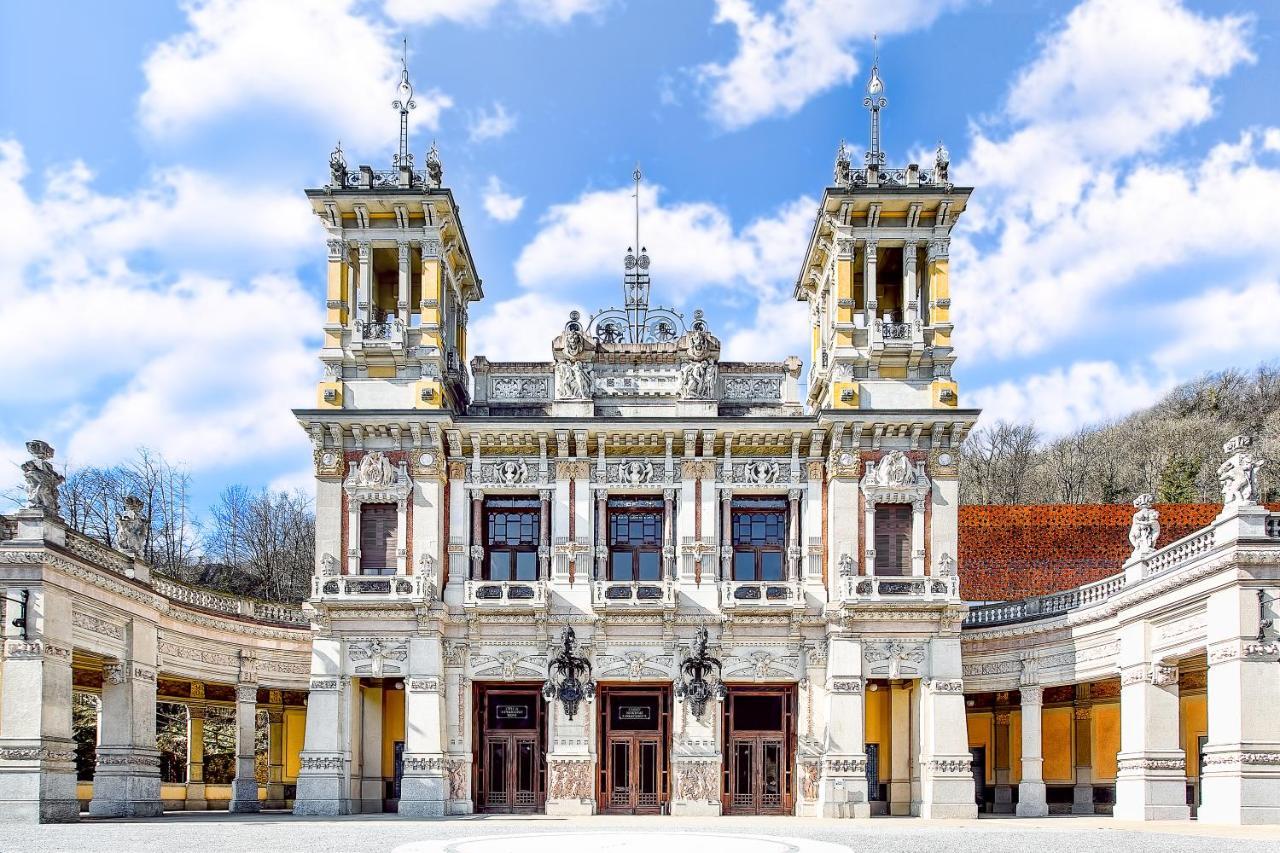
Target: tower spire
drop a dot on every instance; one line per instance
(404, 103)
(875, 101)
(635, 281)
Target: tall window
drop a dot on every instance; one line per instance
(512, 530)
(893, 539)
(635, 539)
(378, 539)
(759, 538)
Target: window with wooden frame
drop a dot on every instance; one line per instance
(378, 529)
(893, 539)
(635, 539)
(759, 538)
(513, 529)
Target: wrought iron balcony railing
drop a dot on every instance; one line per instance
(769, 595)
(365, 587)
(505, 595)
(889, 589)
(633, 595)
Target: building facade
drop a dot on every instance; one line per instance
(638, 578)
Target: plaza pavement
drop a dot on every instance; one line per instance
(280, 831)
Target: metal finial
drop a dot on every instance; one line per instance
(404, 103)
(635, 280)
(875, 101)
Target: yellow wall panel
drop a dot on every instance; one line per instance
(329, 401)
(1195, 724)
(980, 735)
(879, 728)
(936, 389)
(392, 729)
(841, 400)
(1106, 741)
(1057, 723)
(893, 371)
(382, 371)
(1015, 747)
(295, 727)
(428, 394)
(939, 283)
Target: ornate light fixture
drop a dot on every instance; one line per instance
(694, 672)
(569, 675)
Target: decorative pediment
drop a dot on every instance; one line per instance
(894, 658)
(508, 664)
(760, 664)
(378, 656)
(635, 665)
(375, 480)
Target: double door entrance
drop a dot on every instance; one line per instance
(510, 769)
(759, 729)
(635, 729)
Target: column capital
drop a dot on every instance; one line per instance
(246, 693)
(1032, 694)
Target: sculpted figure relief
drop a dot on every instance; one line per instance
(375, 470)
(1145, 529)
(42, 479)
(1238, 476)
(573, 380)
(894, 469)
(698, 380)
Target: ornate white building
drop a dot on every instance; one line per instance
(637, 578)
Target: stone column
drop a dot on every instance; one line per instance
(1031, 792)
(458, 724)
(726, 535)
(423, 789)
(544, 534)
(37, 753)
(350, 278)
(126, 782)
(909, 303)
(602, 535)
(1003, 764)
(196, 708)
(917, 538)
(1082, 794)
(869, 287)
(946, 777)
(275, 750)
(794, 552)
(1151, 782)
(477, 535)
(365, 259)
(900, 750)
(324, 777)
(842, 785)
(669, 534)
(244, 787)
(571, 761)
(404, 284)
(1241, 773)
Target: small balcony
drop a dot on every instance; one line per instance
(504, 596)
(368, 587)
(874, 588)
(772, 596)
(633, 596)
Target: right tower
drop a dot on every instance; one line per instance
(875, 279)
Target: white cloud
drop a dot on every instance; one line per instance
(1061, 400)
(1065, 216)
(490, 124)
(106, 358)
(786, 57)
(500, 204)
(1223, 326)
(478, 12)
(519, 329)
(319, 58)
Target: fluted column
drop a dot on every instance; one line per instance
(196, 709)
(477, 535)
(909, 304)
(364, 254)
(669, 533)
(794, 552)
(869, 535)
(869, 287)
(1003, 762)
(244, 787)
(544, 534)
(403, 284)
(1031, 792)
(602, 535)
(726, 535)
(1082, 794)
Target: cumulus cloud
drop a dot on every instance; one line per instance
(1063, 399)
(1223, 325)
(238, 54)
(494, 123)
(519, 329)
(202, 367)
(478, 12)
(498, 203)
(786, 57)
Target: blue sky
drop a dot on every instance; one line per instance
(161, 274)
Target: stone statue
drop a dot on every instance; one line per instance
(573, 380)
(42, 478)
(375, 470)
(894, 469)
(942, 164)
(329, 567)
(638, 471)
(846, 565)
(573, 343)
(698, 380)
(843, 174)
(1238, 476)
(1145, 529)
(946, 565)
(435, 171)
(514, 471)
(131, 527)
(337, 167)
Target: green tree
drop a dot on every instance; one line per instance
(1178, 481)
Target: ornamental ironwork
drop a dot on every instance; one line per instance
(569, 676)
(695, 684)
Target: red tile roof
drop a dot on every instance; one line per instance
(1009, 552)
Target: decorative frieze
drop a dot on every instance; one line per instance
(845, 766)
(698, 781)
(322, 762)
(1143, 763)
(519, 388)
(424, 763)
(946, 685)
(951, 766)
(570, 780)
(846, 686)
(894, 658)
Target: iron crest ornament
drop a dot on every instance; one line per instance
(569, 675)
(694, 684)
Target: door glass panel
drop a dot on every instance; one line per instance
(526, 566)
(770, 565)
(500, 566)
(620, 773)
(621, 566)
(497, 771)
(526, 772)
(757, 713)
(650, 566)
(648, 768)
(771, 788)
(634, 713)
(744, 565)
(744, 774)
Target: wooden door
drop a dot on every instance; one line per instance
(378, 539)
(634, 727)
(759, 754)
(510, 761)
(893, 539)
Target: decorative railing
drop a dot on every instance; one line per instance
(366, 178)
(367, 586)
(755, 594)
(1040, 606)
(99, 554)
(895, 331)
(633, 595)
(1175, 554)
(283, 614)
(898, 177)
(505, 595)
(914, 589)
(1273, 526)
(372, 331)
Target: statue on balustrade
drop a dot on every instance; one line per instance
(1238, 476)
(1145, 529)
(43, 480)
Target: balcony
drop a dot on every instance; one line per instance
(633, 596)
(504, 596)
(873, 588)
(369, 588)
(771, 596)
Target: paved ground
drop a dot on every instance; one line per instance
(213, 831)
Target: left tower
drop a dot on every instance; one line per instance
(400, 281)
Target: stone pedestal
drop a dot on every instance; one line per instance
(324, 778)
(423, 788)
(1031, 792)
(946, 778)
(571, 764)
(37, 754)
(126, 781)
(842, 783)
(244, 787)
(1151, 779)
